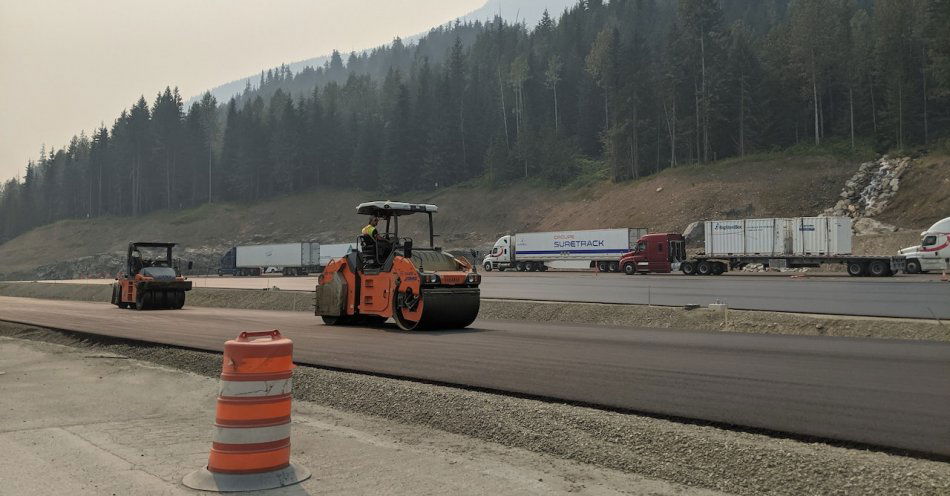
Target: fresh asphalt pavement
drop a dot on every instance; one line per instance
(920, 296)
(881, 392)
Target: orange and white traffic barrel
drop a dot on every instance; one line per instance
(250, 447)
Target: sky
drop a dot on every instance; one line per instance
(69, 65)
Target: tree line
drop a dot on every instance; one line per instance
(630, 86)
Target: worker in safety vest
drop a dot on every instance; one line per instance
(370, 229)
(382, 245)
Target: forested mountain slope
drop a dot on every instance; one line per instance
(528, 12)
(635, 86)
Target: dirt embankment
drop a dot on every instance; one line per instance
(475, 216)
(469, 216)
(581, 313)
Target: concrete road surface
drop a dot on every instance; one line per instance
(882, 392)
(924, 296)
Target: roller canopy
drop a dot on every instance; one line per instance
(147, 244)
(390, 208)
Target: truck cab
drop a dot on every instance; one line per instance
(933, 252)
(659, 252)
(500, 255)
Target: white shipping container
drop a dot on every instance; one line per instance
(770, 236)
(331, 252)
(822, 235)
(596, 244)
(276, 255)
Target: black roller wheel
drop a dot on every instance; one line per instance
(879, 268)
(335, 320)
(688, 268)
(179, 300)
(912, 266)
(630, 268)
(856, 269)
(704, 268)
(372, 320)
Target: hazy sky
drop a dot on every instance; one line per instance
(68, 65)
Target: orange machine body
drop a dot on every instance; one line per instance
(150, 284)
(417, 287)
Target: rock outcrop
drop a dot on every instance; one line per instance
(867, 193)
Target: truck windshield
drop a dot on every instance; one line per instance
(929, 240)
(640, 247)
(496, 251)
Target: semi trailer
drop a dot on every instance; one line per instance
(775, 243)
(532, 252)
(933, 252)
(292, 259)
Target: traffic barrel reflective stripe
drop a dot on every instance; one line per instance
(252, 418)
(248, 389)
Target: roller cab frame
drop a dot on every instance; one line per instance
(419, 288)
(150, 283)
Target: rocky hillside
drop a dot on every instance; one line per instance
(474, 216)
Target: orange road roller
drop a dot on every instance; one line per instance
(386, 276)
(151, 280)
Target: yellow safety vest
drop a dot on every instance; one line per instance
(370, 230)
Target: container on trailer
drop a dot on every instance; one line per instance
(770, 236)
(821, 235)
(594, 244)
(334, 251)
(274, 255)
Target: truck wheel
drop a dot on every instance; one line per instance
(521, 267)
(912, 266)
(856, 269)
(487, 266)
(615, 266)
(543, 268)
(704, 268)
(878, 268)
(501, 269)
(630, 269)
(688, 268)
(718, 268)
(602, 266)
(531, 267)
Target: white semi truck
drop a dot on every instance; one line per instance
(530, 252)
(292, 259)
(933, 252)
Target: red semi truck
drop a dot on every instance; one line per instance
(776, 243)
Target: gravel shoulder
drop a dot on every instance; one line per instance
(539, 311)
(694, 455)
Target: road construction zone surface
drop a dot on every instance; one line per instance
(886, 393)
